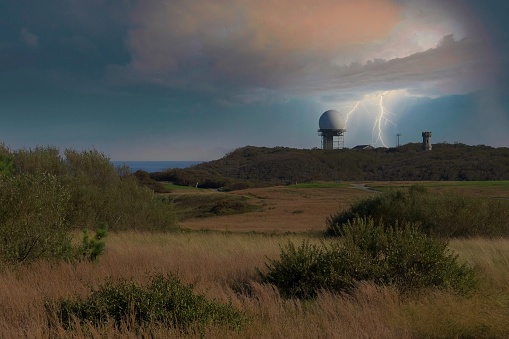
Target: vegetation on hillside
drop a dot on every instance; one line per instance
(260, 166)
(445, 215)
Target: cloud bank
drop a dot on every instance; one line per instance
(326, 47)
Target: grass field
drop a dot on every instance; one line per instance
(281, 209)
(304, 207)
(222, 265)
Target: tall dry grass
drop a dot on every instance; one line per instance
(222, 266)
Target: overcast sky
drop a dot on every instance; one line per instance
(192, 80)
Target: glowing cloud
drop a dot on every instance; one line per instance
(304, 48)
(252, 43)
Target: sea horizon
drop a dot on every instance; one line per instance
(154, 165)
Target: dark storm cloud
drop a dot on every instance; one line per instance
(139, 77)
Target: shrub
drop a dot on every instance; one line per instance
(39, 160)
(100, 195)
(444, 215)
(33, 220)
(99, 192)
(403, 256)
(44, 197)
(300, 271)
(165, 300)
(398, 255)
(92, 248)
(227, 207)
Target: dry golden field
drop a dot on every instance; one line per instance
(291, 209)
(222, 266)
(283, 209)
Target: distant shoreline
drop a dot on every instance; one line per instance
(155, 166)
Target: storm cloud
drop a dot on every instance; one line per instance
(137, 78)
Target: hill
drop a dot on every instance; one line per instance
(261, 166)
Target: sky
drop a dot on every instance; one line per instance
(193, 80)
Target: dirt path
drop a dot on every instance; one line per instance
(363, 187)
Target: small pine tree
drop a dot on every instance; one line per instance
(92, 248)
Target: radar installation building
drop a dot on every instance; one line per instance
(332, 126)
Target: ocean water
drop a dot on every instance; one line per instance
(155, 166)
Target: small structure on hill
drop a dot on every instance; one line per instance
(332, 129)
(426, 141)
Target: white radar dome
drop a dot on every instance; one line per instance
(332, 120)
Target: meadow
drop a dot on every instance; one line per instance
(219, 255)
(221, 266)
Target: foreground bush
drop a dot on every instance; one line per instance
(164, 301)
(444, 215)
(98, 192)
(33, 224)
(45, 197)
(391, 255)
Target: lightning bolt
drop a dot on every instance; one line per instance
(354, 108)
(382, 116)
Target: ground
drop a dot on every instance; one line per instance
(304, 208)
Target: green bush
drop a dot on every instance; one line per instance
(444, 215)
(392, 255)
(39, 160)
(101, 195)
(302, 271)
(44, 197)
(227, 207)
(403, 256)
(165, 300)
(92, 247)
(33, 223)
(99, 192)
